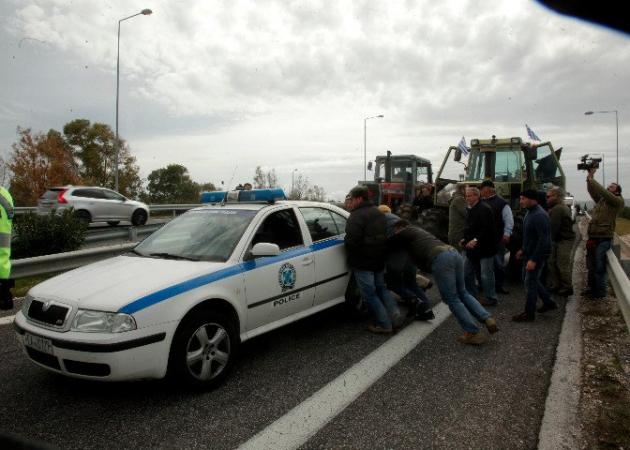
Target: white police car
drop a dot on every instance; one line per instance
(185, 298)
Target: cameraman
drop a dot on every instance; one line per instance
(600, 232)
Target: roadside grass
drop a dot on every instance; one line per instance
(623, 226)
(22, 285)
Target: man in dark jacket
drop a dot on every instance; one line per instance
(366, 246)
(432, 255)
(481, 246)
(559, 266)
(504, 225)
(535, 251)
(600, 232)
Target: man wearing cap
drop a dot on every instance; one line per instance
(535, 252)
(504, 224)
(366, 246)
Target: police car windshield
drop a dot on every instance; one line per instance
(204, 235)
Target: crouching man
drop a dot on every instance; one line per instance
(447, 266)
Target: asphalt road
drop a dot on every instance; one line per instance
(440, 395)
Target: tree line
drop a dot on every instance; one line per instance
(84, 153)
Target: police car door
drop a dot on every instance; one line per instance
(279, 286)
(326, 228)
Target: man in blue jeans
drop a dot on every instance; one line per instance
(366, 246)
(601, 230)
(535, 252)
(447, 265)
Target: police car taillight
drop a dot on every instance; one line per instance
(60, 198)
(253, 195)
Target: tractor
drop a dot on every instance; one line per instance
(511, 164)
(396, 179)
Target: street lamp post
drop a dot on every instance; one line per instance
(588, 113)
(380, 116)
(144, 12)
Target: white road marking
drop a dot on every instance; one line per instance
(302, 422)
(6, 320)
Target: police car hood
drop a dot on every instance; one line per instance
(110, 284)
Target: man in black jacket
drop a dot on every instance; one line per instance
(481, 245)
(535, 252)
(366, 246)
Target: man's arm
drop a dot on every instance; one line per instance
(508, 220)
(601, 192)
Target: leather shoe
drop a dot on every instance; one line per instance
(376, 329)
(491, 325)
(488, 301)
(523, 317)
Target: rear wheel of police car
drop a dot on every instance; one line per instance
(203, 349)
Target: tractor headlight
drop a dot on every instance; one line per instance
(89, 321)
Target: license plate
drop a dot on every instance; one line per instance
(39, 343)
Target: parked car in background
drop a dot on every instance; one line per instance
(570, 202)
(93, 204)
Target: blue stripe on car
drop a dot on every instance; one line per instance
(180, 288)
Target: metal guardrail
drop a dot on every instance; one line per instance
(621, 285)
(60, 262)
(152, 208)
(130, 234)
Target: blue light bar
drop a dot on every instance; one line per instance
(254, 195)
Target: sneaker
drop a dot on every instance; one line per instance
(547, 307)
(523, 317)
(425, 315)
(477, 338)
(488, 301)
(377, 329)
(491, 325)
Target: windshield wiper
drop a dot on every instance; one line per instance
(172, 256)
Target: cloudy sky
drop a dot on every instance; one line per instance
(224, 86)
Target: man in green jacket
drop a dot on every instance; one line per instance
(457, 216)
(559, 265)
(600, 232)
(6, 225)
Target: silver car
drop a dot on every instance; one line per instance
(93, 204)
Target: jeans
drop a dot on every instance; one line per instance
(534, 288)
(499, 266)
(403, 282)
(484, 269)
(375, 294)
(448, 271)
(596, 264)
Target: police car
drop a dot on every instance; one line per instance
(183, 300)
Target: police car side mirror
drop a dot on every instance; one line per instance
(265, 249)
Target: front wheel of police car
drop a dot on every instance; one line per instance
(203, 349)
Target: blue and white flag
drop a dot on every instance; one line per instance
(531, 133)
(462, 146)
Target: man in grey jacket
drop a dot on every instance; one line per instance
(559, 266)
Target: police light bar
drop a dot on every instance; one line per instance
(254, 195)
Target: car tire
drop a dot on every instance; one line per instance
(139, 218)
(203, 350)
(83, 216)
(113, 223)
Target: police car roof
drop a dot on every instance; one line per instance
(261, 205)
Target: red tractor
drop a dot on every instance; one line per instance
(397, 179)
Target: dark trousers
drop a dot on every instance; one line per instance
(534, 288)
(596, 250)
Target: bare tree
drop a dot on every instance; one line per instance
(265, 179)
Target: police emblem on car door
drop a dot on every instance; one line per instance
(282, 285)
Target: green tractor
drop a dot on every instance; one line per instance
(510, 163)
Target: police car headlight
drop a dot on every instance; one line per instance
(90, 321)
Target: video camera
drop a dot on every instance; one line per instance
(588, 163)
